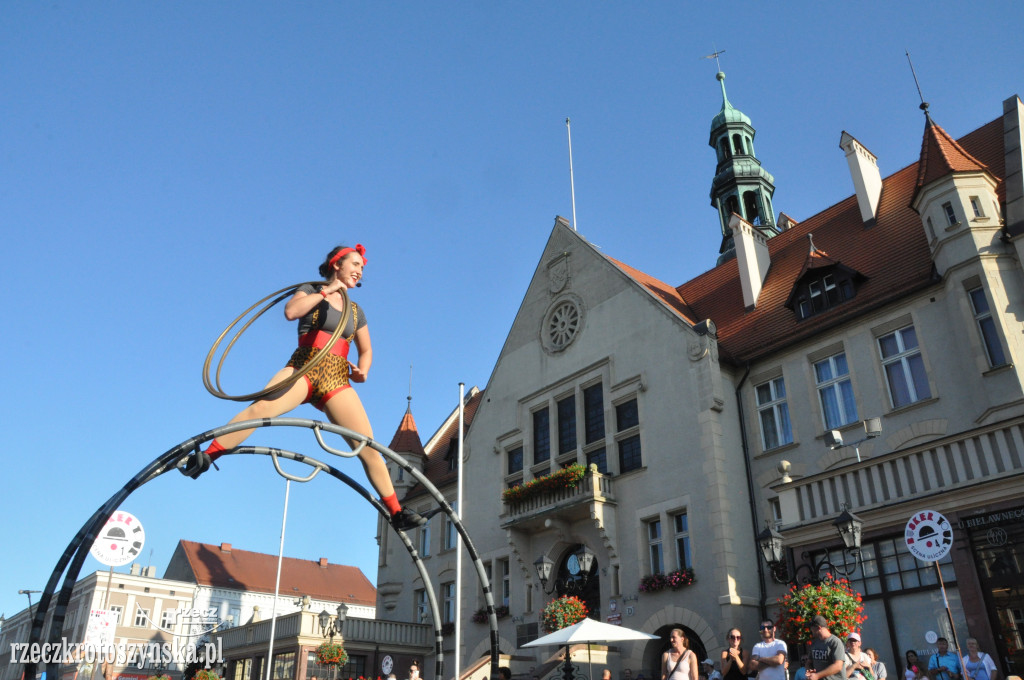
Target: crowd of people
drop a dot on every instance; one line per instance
(827, 658)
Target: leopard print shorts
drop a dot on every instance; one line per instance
(327, 378)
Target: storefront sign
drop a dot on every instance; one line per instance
(615, 619)
(929, 536)
(993, 518)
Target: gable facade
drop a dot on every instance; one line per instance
(709, 416)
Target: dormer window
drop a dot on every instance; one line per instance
(821, 292)
(452, 455)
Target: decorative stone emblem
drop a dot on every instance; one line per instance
(558, 273)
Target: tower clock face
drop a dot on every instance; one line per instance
(120, 540)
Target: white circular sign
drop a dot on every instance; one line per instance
(929, 536)
(931, 637)
(120, 540)
(387, 664)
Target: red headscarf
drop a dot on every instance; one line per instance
(345, 251)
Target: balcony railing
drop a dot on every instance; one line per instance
(307, 624)
(569, 504)
(981, 457)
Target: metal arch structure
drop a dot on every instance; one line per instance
(73, 557)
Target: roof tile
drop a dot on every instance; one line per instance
(256, 572)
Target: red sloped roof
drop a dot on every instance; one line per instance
(941, 155)
(661, 290)
(226, 567)
(407, 437)
(893, 255)
(436, 468)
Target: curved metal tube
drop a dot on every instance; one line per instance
(74, 555)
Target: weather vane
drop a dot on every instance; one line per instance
(714, 55)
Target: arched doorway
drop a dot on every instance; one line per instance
(572, 580)
(655, 648)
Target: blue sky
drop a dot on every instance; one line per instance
(164, 165)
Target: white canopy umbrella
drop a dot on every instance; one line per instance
(586, 632)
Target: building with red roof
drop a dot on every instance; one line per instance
(863, 360)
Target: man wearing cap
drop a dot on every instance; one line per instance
(827, 652)
(708, 666)
(857, 662)
(768, 657)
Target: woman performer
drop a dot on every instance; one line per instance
(319, 311)
(678, 663)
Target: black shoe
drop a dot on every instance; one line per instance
(196, 464)
(406, 519)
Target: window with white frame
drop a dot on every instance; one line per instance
(682, 529)
(168, 619)
(904, 367)
(119, 611)
(424, 546)
(835, 391)
(420, 597)
(141, 617)
(505, 576)
(987, 327)
(448, 599)
(450, 534)
(655, 548)
(773, 411)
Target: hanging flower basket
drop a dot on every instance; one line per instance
(331, 654)
(568, 477)
(832, 598)
(563, 612)
(680, 578)
(204, 674)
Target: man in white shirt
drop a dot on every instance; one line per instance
(768, 657)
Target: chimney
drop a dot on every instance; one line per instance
(866, 178)
(1013, 150)
(151, 571)
(323, 562)
(751, 256)
(225, 547)
(135, 570)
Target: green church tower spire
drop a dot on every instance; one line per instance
(740, 185)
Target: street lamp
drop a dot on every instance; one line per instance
(578, 572)
(772, 547)
(330, 628)
(28, 594)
